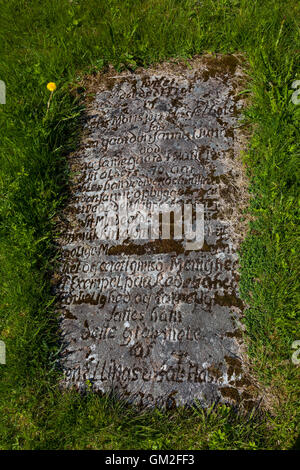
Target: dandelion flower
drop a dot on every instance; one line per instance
(51, 86)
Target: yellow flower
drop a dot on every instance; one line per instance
(51, 86)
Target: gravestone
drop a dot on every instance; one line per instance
(148, 286)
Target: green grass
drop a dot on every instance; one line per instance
(60, 41)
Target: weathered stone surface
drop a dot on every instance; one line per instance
(154, 321)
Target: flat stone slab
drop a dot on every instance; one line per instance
(150, 315)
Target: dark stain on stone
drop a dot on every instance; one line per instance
(215, 371)
(249, 405)
(221, 66)
(228, 300)
(152, 247)
(234, 334)
(246, 395)
(243, 382)
(234, 365)
(69, 315)
(231, 393)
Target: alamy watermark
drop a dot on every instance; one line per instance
(2, 352)
(295, 96)
(296, 100)
(296, 354)
(2, 92)
(137, 221)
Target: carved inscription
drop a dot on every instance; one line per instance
(142, 316)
